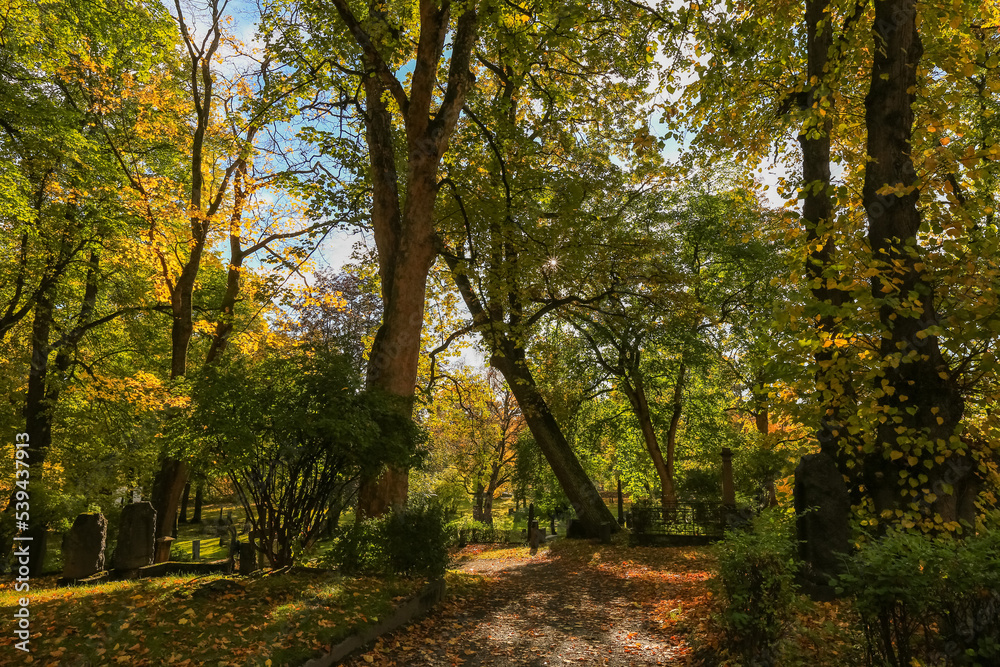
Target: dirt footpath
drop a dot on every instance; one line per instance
(574, 602)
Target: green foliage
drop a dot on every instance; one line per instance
(410, 542)
(925, 600)
(294, 434)
(756, 577)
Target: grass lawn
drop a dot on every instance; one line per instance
(276, 619)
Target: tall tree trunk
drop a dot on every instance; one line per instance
(43, 394)
(182, 518)
(636, 393)
(477, 503)
(488, 507)
(404, 233)
(38, 424)
(198, 498)
(817, 216)
(675, 418)
(917, 394)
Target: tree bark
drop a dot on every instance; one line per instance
(817, 216)
(404, 234)
(43, 393)
(38, 422)
(579, 488)
(182, 518)
(636, 393)
(918, 393)
(198, 497)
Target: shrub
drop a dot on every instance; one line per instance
(756, 576)
(411, 542)
(925, 600)
(295, 434)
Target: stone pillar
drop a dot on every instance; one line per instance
(83, 548)
(728, 489)
(196, 550)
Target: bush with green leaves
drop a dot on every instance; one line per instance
(928, 600)
(756, 581)
(408, 542)
(294, 433)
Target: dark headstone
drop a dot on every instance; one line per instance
(605, 533)
(248, 558)
(534, 535)
(552, 523)
(83, 548)
(196, 550)
(575, 530)
(822, 506)
(136, 530)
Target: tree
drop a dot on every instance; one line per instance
(207, 187)
(476, 421)
(368, 50)
(534, 174)
(856, 83)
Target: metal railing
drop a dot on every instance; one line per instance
(682, 523)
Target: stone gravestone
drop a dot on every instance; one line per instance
(534, 535)
(196, 550)
(83, 548)
(822, 508)
(135, 537)
(248, 558)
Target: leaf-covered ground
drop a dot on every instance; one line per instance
(279, 619)
(575, 602)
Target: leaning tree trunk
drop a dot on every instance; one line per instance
(916, 390)
(573, 479)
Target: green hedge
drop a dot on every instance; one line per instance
(412, 542)
(928, 600)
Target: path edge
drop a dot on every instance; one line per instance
(416, 606)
